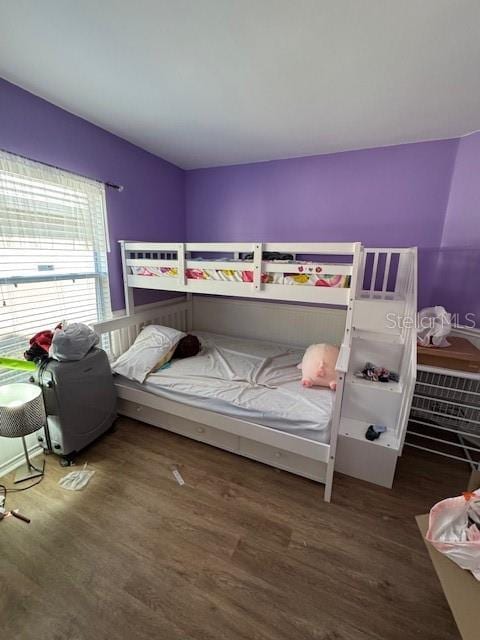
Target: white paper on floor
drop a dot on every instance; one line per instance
(177, 475)
(76, 480)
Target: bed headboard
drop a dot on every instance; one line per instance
(120, 333)
(297, 325)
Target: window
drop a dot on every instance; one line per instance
(53, 252)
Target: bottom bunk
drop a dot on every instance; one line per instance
(240, 395)
(250, 380)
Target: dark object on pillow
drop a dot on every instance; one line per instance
(187, 347)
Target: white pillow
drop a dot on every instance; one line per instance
(148, 351)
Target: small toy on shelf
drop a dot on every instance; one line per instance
(376, 374)
(374, 431)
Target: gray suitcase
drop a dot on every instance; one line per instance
(80, 402)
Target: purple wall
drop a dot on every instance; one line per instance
(424, 194)
(458, 266)
(152, 202)
(391, 196)
(462, 222)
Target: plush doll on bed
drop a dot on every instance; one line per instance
(318, 366)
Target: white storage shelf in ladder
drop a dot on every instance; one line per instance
(383, 333)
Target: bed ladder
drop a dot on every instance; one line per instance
(383, 332)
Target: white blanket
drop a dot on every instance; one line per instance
(251, 380)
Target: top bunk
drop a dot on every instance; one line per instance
(321, 273)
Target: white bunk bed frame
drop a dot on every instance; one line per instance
(294, 324)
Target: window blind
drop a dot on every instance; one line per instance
(53, 252)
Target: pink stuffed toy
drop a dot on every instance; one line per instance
(318, 366)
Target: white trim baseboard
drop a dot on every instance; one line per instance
(13, 463)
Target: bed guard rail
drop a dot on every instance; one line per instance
(244, 269)
(343, 358)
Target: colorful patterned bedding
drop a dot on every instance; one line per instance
(304, 276)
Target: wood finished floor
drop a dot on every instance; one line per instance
(242, 551)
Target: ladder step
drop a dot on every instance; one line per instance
(386, 387)
(356, 429)
(377, 336)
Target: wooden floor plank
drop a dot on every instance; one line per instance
(241, 551)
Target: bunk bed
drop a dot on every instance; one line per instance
(294, 294)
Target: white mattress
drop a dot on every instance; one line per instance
(250, 380)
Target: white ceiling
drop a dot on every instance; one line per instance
(211, 82)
